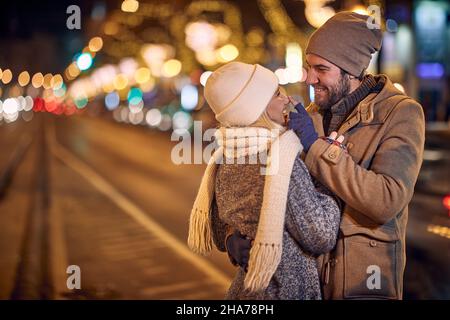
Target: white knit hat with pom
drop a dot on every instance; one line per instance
(238, 93)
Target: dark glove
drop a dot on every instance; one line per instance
(301, 123)
(238, 247)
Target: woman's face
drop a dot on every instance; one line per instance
(276, 106)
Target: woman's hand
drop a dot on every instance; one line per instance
(238, 248)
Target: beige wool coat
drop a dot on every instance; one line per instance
(385, 136)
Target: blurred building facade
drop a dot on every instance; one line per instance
(146, 62)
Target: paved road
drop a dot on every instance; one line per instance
(118, 210)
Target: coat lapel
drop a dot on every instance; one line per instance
(317, 118)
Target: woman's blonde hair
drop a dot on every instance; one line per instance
(265, 122)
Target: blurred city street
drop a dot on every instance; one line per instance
(120, 217)
(428, 248)
(91, 93)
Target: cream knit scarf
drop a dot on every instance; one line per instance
(265, 254)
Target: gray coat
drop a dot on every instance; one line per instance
(311, 227)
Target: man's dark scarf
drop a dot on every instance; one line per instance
(334, 116)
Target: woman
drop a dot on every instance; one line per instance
(256, 183)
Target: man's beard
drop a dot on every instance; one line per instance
(335, 93)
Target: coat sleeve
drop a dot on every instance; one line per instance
(384, 190)
(313, 214)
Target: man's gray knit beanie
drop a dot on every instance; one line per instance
(346, 41)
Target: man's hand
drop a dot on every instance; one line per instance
(334, 136)
(301, 123)
(238, 247)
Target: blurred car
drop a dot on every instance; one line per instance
(427, 274)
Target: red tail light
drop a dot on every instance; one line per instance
(446, 202)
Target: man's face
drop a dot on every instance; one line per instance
(329, 84)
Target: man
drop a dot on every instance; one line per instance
(375, 169)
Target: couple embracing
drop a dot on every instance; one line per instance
(309, 203)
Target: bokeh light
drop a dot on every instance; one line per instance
(134, 96)
(142, 75)
(120, 82)
(153, 117)
(37, 80)
(24, 78)
(130, 6)
(204, 77)
(228, 53)
(56, 82)
(189, 97)
(166, 123)
(84, 61)
(6, 76)
(10, 106)
(47, 81)
(182, 122)
(171, 68)
(81, 101)
(112, 100)
(95, 44)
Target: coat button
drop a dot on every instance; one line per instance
(373, 243)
